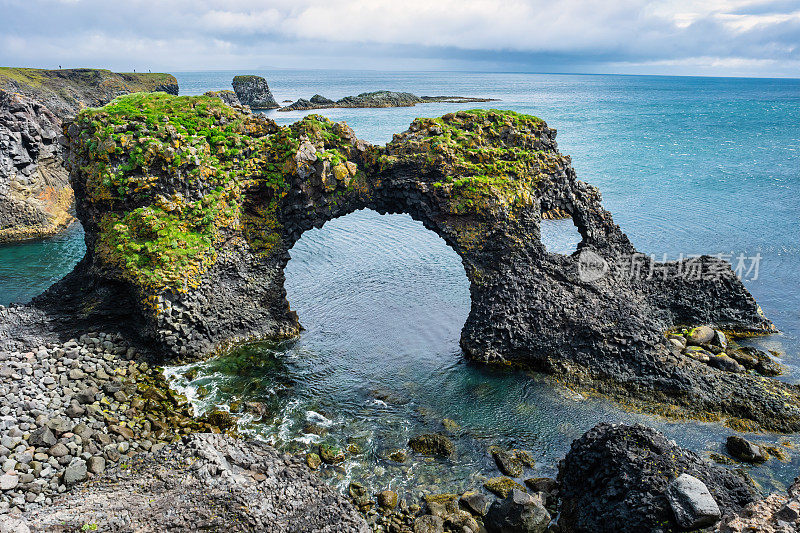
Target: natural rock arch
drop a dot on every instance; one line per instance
(190, 208)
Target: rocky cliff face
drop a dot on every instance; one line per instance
(191, 207)
(253, 91)
(67, 91)
(35, 196)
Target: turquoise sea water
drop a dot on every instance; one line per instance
(686, 165)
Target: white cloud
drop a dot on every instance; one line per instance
(350, 33)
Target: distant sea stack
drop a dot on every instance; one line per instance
(36, 199)
(253, 91)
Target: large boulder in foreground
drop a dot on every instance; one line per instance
(206, 483)
(254, 91)
(191, 207)
(628, 478)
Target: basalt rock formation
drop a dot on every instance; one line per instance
(617, 478)
(35, 197)
(377, 99)
(253, 91)
(190, 208)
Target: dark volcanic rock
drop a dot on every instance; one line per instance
(615, 478)
(206, 483)
(318, 99)
(432, 444)
(253, 91)
(376, 99)
(35, 196)
(300, 105)
(380, 99)
(217, 275)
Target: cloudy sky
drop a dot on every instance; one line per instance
(711, 37)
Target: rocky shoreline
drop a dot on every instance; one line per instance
(92, 434)
(70, 408)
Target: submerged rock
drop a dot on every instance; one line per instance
(428, 524)
(387, 499)
(432, 444)
(508, 463)
(744, 450)
(616, 478)
(331, 454)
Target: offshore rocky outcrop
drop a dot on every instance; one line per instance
(377, 99)
(190, 208)
(35, 197)
(253, 91)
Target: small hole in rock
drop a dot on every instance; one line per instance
(560, 236)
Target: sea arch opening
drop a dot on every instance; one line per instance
(378, 288)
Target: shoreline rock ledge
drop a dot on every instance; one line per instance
(205, 482)
(188, 236)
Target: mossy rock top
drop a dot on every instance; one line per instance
(167, 176)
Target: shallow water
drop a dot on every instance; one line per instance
(687, 165)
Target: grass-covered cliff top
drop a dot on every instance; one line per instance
(168, 178)
(37, 78)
